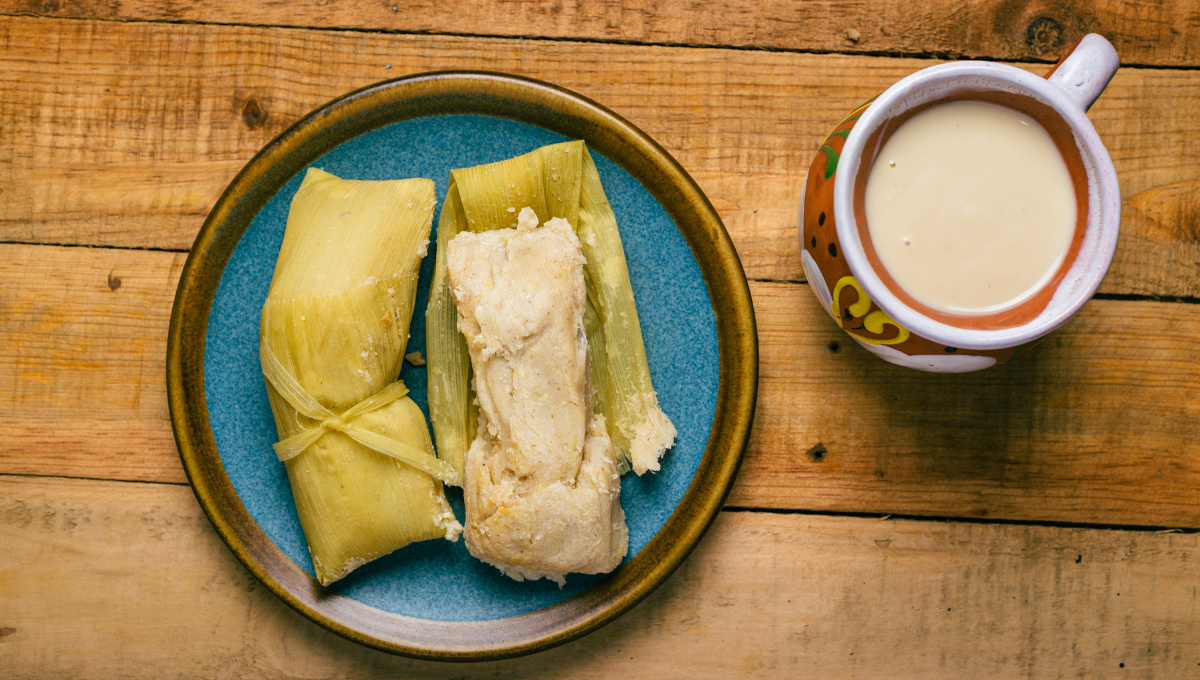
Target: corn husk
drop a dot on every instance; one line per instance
(447, 363)
(334, 329)
(559, 180)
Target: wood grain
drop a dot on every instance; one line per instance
(123, 133)
(103, 579)
(130, 132)
(1161, 33)
(1100, 423)
(82, 370)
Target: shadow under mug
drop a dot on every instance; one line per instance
(840, 262)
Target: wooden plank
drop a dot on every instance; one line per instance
(127, 136)
(1100, 423)
(103, 579)
(82, 373)
(1162, 33)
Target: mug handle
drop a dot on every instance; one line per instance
(1084, 73)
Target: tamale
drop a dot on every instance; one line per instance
(541, 484)
(556, 181)
(334, 329)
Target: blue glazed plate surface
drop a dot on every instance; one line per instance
(439, 580)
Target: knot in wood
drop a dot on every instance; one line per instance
(817, 453)
(254, 114)
(1044, 35)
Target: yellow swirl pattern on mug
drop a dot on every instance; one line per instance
(874, 322)
(857, 309)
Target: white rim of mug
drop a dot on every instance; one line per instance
(1104, 204)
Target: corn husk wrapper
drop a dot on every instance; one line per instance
(559, 180)
(447, 363)
(334, 329)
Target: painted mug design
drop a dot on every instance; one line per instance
(902, 334)
(840, 293)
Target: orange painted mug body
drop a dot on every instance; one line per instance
(840, 262)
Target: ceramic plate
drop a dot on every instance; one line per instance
(432, 599)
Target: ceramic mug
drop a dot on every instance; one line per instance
(845, 273)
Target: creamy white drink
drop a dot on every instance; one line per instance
(970, 207)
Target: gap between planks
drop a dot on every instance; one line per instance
(762, 510)
(993, 29)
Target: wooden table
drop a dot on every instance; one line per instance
(1034, 520)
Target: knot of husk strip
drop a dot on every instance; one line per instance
(290, 389)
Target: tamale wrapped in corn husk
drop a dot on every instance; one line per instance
(334, 329)
(559, 180)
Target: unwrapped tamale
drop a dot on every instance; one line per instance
(556, 181)
(334, 329)
(541, 486)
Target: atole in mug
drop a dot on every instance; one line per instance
(844, 269)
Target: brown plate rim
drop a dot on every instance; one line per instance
(532, 102)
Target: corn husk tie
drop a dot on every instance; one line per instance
(327, 420)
